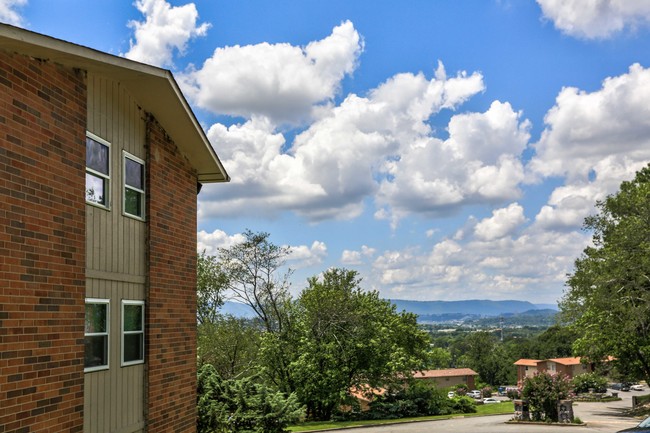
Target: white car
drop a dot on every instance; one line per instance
(636, 387)
(490, 400)
(451, 394)
(474, 393)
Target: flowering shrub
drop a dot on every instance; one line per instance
(542, 391)
(584, 382)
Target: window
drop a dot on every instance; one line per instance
(132, 332)
(97, 170)
(133, 186)
(96, 334)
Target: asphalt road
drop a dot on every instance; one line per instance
(600, 417)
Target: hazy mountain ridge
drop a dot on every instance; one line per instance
(481, 307)
(429, 309)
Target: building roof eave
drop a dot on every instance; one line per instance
(155, 89)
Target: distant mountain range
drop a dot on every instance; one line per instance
(480, 307)
(430, 309)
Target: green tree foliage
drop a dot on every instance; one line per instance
(439, 358)
(230, 345)
(211, 282)
(556, 342)
(417, 399)
(608, 296)
(584, 382)
(348, 338)
(251, 268)
(242, 405)
(543, 391)
(482, 352)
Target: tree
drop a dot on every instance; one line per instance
(485, 355)
(230, 345)
(556, 342)
(350, 338)
(543, 391)
(211, 282)
(251, 269)
(608, 296)
(439, 358)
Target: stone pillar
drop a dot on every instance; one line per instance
(565, 411)
(522, 413)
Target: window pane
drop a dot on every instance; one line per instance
(96, 156)
(95, 189)
(133, 173)
(133, 347)
(96, 351)
(132, 202)
(95, 318)
(132, 317)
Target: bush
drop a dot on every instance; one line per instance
(513, 394)
(462, 389)
(486, 392)
(584, 382)
(462, 404)
(242, 405)
(543, 391)
(417, 399)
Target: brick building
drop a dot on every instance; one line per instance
(449, 377)
(569, 367)
(101, 160)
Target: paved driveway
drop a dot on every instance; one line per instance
(600, 417)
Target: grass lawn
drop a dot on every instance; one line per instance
(481, 410)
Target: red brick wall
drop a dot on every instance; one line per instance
(42, 246)
(171, 302)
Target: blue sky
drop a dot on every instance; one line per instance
(446, 150)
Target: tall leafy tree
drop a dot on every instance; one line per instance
(350, 338)
(608, 296)
(252, 272)
(211, 283)
(231, 345)
(485, 355)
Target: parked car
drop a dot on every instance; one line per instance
(490, 400)
(451, 394)
(474, 393)
(636, 387)
(620, 386)
(643, 427)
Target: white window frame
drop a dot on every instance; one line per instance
(126, 155)
(107, 178)
(124, 333)
(106, 334)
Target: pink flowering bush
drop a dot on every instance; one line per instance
(542, 391)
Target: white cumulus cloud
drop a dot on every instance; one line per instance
(342, 158)
(9, 13)
(532, 265)
(355, 258)
(211, 242)
(502, 223)
(282, 82)
(592, 19)
(478, 163)
(595, 141)
(166, 30)
(303, 256)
